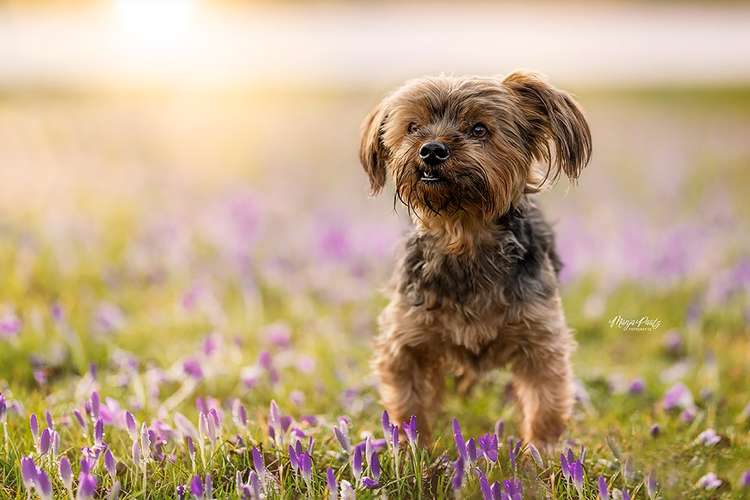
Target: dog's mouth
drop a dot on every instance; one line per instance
(431, 177)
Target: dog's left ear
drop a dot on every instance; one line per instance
(372, 152)
(554, 120)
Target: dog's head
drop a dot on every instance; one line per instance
(473, 144)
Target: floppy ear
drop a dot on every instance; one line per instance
(372, 152)
(556, 130)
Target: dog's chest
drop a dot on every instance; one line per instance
(469, 299)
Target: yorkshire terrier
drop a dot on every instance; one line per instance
(477, 285)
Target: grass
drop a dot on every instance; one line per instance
(128, 273)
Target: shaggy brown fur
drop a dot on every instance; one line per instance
(476, 287)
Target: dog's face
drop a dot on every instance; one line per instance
(470, 144)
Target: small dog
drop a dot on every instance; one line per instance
(476, 287)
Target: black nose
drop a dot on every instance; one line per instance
(434, 153)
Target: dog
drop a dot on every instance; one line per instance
(476, 287)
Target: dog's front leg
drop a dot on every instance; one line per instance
(543, 381)
(409, 371)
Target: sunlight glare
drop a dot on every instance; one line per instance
(154, 25)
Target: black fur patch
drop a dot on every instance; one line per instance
(508, 268)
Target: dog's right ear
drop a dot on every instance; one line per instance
(372, 152)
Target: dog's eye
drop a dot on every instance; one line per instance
(478, 130)
(413, 127)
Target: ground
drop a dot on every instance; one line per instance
(174, 254)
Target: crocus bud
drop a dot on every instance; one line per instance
(34, 426)
(110, 463)
(45, 441)
(131, 425)
(66, 474)
(99, 431)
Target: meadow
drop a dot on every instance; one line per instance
(189, 285)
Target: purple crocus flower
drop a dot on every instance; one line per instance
(513, 489)
(145, 441)
(331, 483)
(385, 422)
(43, 485)
(81, 421)
(207, 427)
(488, 444)
(66, 473)
(745, 479)
(293, 457)
(370, 483)
(497, 492)
(514, 447)
(565, 467)
(471, 449)
(255, 484)
(110, 464)
(275, 423)
(708, 437)
(86, 463)
(305, 466)
(673, 342)
(180, 492)
(99, 431)
(190, 447)
(576, 473)
(410, 429)
(208, 486)
(651, 486)
(637, 386)
(710, 482)
(484, 485)
(196, 487)
(536, 456)
(95, 404)
(357, 462)
(258, 463)
(239, 414)
(347, 491)
(499, 429)
(10, 325)
(3, 407)
(28, 472)
(655, 430)
(135, 452)
(678, 396)
(45, 440)
(86, 486)
(193, 368)
(395, 436)
(601, 484)
(265, 361)
(34, 426)
(368, 449)
(458, 437)
(458, 473)
(341, 433)
(625, 495)
(687, 415)
(48, 418)
(131, 425)
(375, 466)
